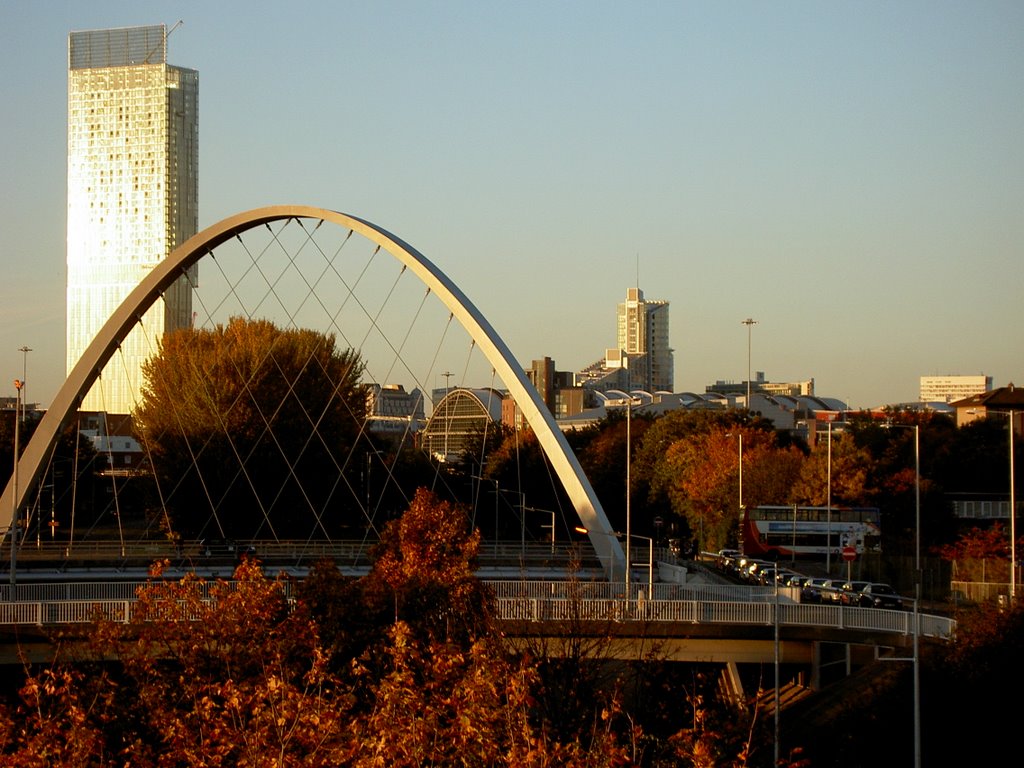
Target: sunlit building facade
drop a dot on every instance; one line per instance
(643, 337)
(946, 389)
(460, 421)
(133, 157)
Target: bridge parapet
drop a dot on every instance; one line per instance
(542, 602)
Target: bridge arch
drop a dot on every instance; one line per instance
(99, 352)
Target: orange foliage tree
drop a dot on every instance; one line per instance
(705, 468)
(237, 673)
(981, 554)
(851, 467)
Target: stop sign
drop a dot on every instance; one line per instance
(849, 554)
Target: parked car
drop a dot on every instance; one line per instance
(783, 575)
(750, 569)
(879, 596)
(728, 558)
(797, 580)
(849, 592)
(810, 591)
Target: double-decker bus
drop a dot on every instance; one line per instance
(796, 531)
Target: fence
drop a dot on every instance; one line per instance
(537, 601)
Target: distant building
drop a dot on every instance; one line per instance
(113, 438)
(643, 337)
(946, 389)
(760, 385)
(982, 506)
(390, 409)
(541, 374)
(8, 403)
(132, 181)
(614, 371)
(1004, 402)
(643, 359)
(462, 417)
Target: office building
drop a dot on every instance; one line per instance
(390, 409)
(946, 389)
(132, 193)
(761, 385)
(643, 339)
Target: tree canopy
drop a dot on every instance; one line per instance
(245, 673)
(249, 427)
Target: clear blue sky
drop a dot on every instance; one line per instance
(850, 175)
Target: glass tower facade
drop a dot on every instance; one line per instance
(133, 155)
(643, 336)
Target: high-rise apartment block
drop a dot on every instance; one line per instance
(133, 155)
(946, 389)
(643, 337)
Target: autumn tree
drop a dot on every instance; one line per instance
(422, 573)
(702, 475)
(203, 674)
(249, 427)
(237, 673)
(850, 467)
(424, 566)
(981, 554)
(602, 455)
(518, 463)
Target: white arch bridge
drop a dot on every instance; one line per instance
(291, 264)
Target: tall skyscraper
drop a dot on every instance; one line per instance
(133, 156)
(643, 336)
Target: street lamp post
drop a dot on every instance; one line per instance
(650, 555)
(917, 587)
(828, 505)
(546, 512)
(24, 377)
(1013, 516)
(13, 530)
(739, 539)
(629, 520)
(917, 594)
(629, 442)
(749, 322)
(1012, 414)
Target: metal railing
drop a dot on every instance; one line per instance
(348, 552)
(535, 601)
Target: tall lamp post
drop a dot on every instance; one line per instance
(1013, 516)
(629, 517)
(917, 595)
(13, 530)
(650, 555)
(749, 322)
(629, 443)
(550, 512)
(24, 377)
(828, 505)
(917, 587)
(740, 537)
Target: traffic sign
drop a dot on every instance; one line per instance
(849, 554)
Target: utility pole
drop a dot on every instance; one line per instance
(749, 322)
(13, 531)
(24, 377)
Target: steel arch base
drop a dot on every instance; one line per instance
(99, 352)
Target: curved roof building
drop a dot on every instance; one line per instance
(462, 417)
